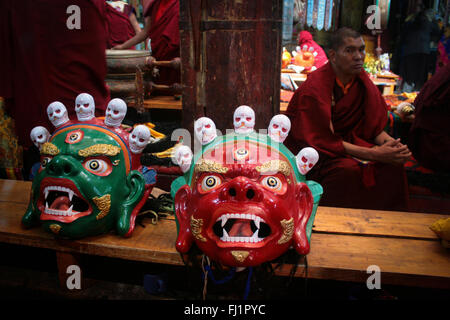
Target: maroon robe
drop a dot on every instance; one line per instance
(119, 27)
(429, 138)
(358, 117)
(165, 35)
(42, 60)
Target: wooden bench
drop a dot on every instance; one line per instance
(344, 243)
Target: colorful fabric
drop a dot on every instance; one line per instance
(444, 52)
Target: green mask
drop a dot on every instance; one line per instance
(89, 182)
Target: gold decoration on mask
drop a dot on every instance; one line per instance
(99, 149)
(50, 149)
(210, 166)
(196, 229)
(274, 166)
(240, 256)
(116, 162)
(103, 204)
(55, 228)
(288, 230)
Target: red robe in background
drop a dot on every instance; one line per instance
(119, 27)
(429, 138)
(42, 60)
(165, 35)
(358, 117)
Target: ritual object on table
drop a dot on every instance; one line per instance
(372, 65)
(243, 199)
(90, 179)
(131, 72)
(405, 109)
(305, 58)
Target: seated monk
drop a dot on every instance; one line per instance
(162, 27)
(341, 113)
(429, 137)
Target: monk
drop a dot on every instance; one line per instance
(53, 51)
(341, 113)
(162, 27)
(429, 137)
(121, 23)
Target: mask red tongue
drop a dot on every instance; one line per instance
(61, 203)
(241, 228)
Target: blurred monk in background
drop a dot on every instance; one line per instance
(162, 27)
(121, 23)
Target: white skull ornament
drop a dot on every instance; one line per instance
(39, 135)
(57, 113)
(115, 112)
(183, 157)
(139, 138)
(279, 128)
(85, 107)
(244, 120)
(205, 130)
(306, 159)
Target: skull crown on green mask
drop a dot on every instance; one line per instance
(89, 182)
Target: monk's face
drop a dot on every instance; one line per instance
(349, 58)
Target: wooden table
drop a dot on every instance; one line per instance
(387, 83)
(344, 243)
(161, 102)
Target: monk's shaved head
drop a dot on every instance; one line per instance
(338, 37)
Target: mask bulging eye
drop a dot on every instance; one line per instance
(97, 166)
(273, 183)
(209, 183)
(45, 161)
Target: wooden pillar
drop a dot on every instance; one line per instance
(231, 56)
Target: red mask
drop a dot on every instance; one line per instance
(244, 202)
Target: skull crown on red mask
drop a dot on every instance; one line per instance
(244, 202)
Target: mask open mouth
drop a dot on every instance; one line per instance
(235, 228)
(63, 204)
